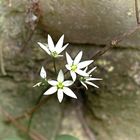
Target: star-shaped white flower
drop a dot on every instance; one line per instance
(54, 50)
(60, 86)
(43, 75)
(87, 79)
(75, 66)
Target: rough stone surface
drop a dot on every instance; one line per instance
(113, 109)
(112, 112)
(90, 21)
(14, 101)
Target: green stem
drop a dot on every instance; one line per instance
(32, 115)
(54, 65)
(66, 72)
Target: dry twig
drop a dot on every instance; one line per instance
(87, 130)
(28, 112)
(115, 41)
(137, 11)
(32, 20)
(2, 60)
(32, 134)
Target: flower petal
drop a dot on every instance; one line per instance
(52, 82)
(51, 44)
(73, 75)
(84, 64)
(44, 47)
(59, 56)
(69, 59)
(60, 95)
(60, 76)
(37, 84)
(85, 69)
(84, 84)
(51, 91)
(92, 79)
(43, 73)
(69, 92)
(81, 72)
(62, 49)
(91, 84)
(92, 70)
(68, 67)
(59, 44)
(68, 83)
(78, 58)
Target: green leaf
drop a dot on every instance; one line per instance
(66, 137)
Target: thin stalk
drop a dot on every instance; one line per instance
(29, 112)
(137, 11)
(2, 61)
(33, 113)
(34, 135)
(54, 65)
(114, 42)
(66, 72)
(118, 39)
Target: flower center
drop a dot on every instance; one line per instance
(54, 54)
(73, 67)
(82, 79)
(60, 85)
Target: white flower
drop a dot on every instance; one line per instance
(43, 75)
(87, 79)
(75, 65)
(60, 86)
(53, 50)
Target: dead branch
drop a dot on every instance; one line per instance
(28, 112)
(115, 41)
(137, 11)
(32, 134)
(87, 130)
(2, 60)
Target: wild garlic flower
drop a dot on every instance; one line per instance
(54, 50)
(75, 66)
(43, 75)
(60, 86)
(87, 79)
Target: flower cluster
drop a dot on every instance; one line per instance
(76, 68)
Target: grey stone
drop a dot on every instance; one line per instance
(90, 21)
(114, 107)
(111, 111)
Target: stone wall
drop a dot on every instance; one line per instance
(111, 112)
